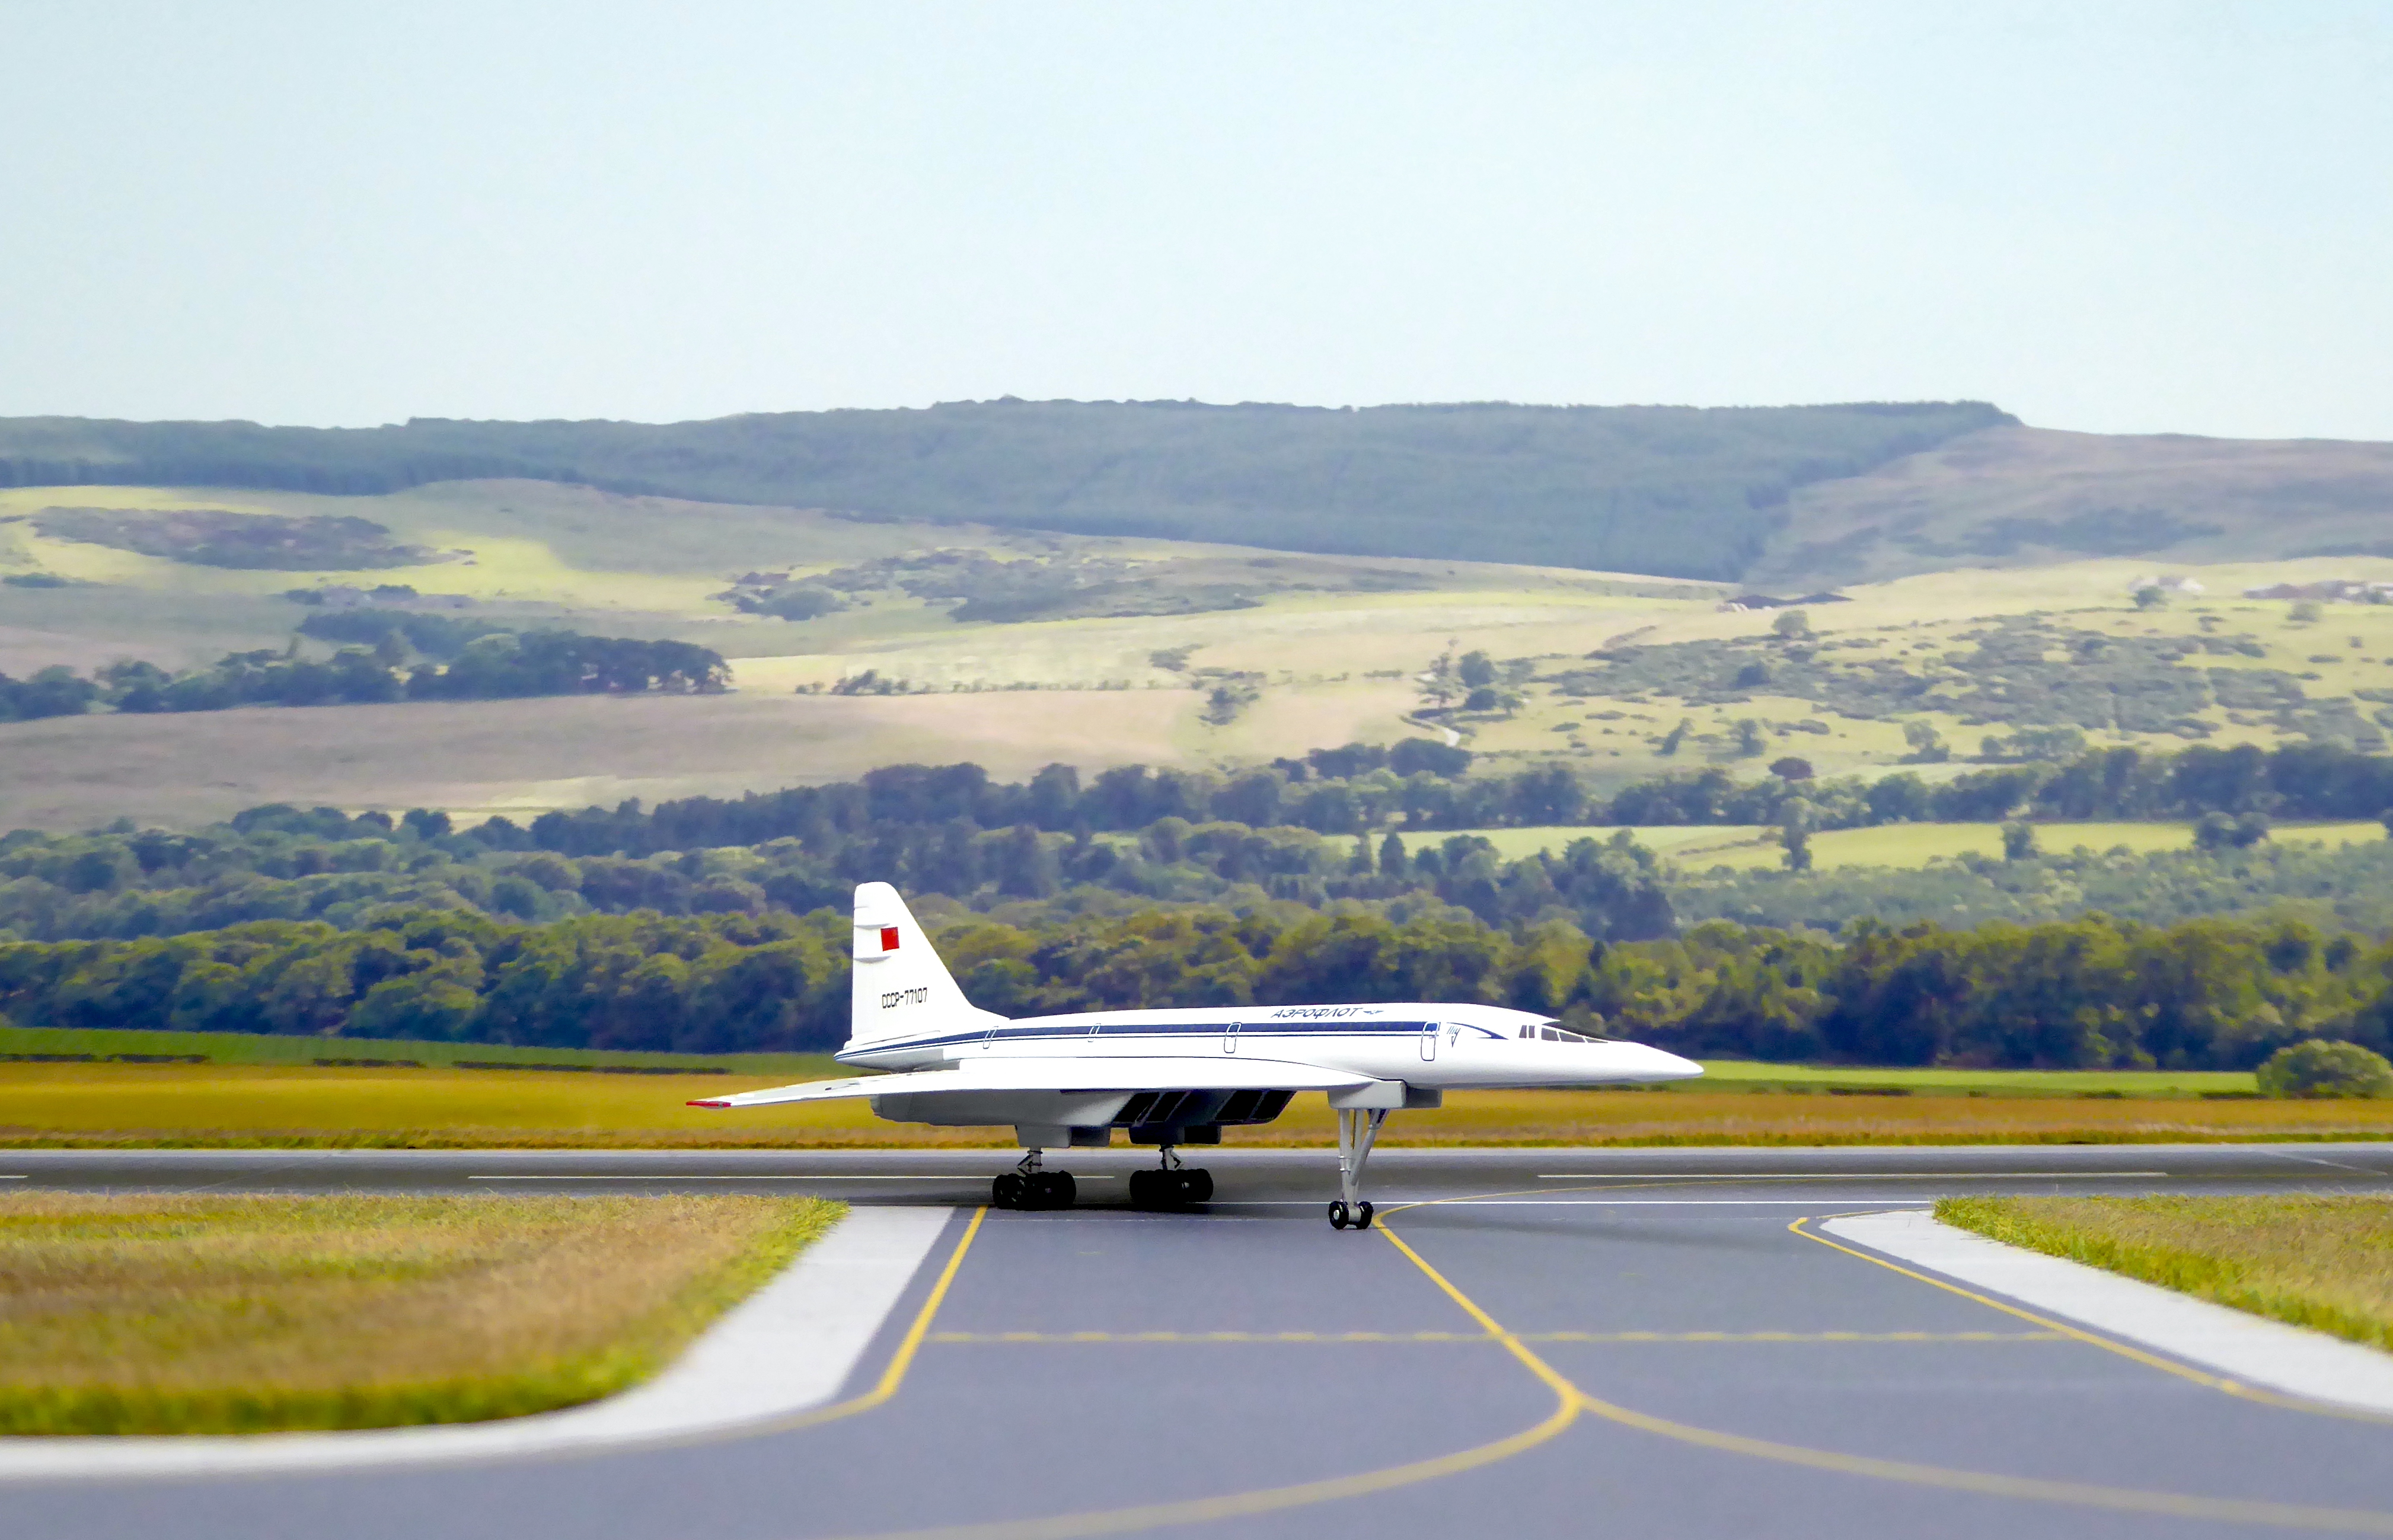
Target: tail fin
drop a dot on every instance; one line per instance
(900, 986)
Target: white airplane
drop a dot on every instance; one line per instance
(1172, 1078)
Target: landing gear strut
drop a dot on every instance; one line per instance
(1170, 1185)
(1029, 1187)
(1357, 1132)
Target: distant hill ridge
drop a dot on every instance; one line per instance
(1680, 491)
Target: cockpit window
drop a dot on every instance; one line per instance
(1550, 1033)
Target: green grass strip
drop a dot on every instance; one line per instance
(2322, 1262)
(647, 1343)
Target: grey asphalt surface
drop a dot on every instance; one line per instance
(1100, 1358)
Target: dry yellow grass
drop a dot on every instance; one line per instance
(2323, 1262)
(237, 1104)
(199, 1314)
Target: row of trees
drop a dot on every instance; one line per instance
(283, 863)
(497, 665)
(2086, 993)
(1421, 784)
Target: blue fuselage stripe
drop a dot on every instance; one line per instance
(1168, 1029)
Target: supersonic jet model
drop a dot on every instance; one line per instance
(1172, 1078)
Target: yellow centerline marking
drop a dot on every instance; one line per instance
(2124, 1350)
(1236, 1504)
(1570, 1401)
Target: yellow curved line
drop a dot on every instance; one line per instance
(899, 1361)
(885, 1387)
(1240, 1504)
(2078, 1493)
(2215, 1382)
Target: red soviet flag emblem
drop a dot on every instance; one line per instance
(888, 939)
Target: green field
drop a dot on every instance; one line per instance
(131, 1106)
(1740, 1074)
(67, 1044)
(1745, 847)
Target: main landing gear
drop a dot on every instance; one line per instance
(1358, 1130)
(1171, 1185)
(1029, 1187)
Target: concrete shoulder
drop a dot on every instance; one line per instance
(2241, 1347)
(786, 1349)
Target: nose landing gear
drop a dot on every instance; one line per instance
(1171, 1185)
(1358, 1130)
(1029, 1187)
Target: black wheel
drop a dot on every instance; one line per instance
(1197, 1186)
(1142, 1189)
(1057, 1190)
(1006, 1191)
(1337, 1213)
(1363, 1212)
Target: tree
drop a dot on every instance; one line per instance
(2229, 831)
(1677, 736)
(1476, 670)
(2319, 1068)
(1750, 744)
(2304, 612)
(2019, 842)
(1795, 833)
(2152, 596)
(1927, 744)
(1791, 768)
(1792, 625)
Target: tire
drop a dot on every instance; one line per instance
(1363, 1212)
(1006, 1191)
(1338, 1214)
(1142, 1190)
(1197, 1186)
(1061, 1189)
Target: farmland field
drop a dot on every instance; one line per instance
(1328, 648)
(1699, 847)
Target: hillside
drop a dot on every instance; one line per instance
(2015, 496)
(857, 644)
(1674, 490)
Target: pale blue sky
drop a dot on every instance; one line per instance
(2118, 217)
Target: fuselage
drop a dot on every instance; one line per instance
(1430, 1046)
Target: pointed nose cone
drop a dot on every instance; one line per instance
(1669, 1066)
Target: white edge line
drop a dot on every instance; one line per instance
(672, 1176)
(1831, 1175)
(1829, 1202)
(2310, 1365)
(789, 1346)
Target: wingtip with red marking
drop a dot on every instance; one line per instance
(710, 1103)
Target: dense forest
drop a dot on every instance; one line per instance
(1680, 491)
(2086, 993)
(487, 663)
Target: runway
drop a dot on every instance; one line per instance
(1539, 1342)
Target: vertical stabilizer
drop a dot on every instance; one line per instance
(900, 986)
